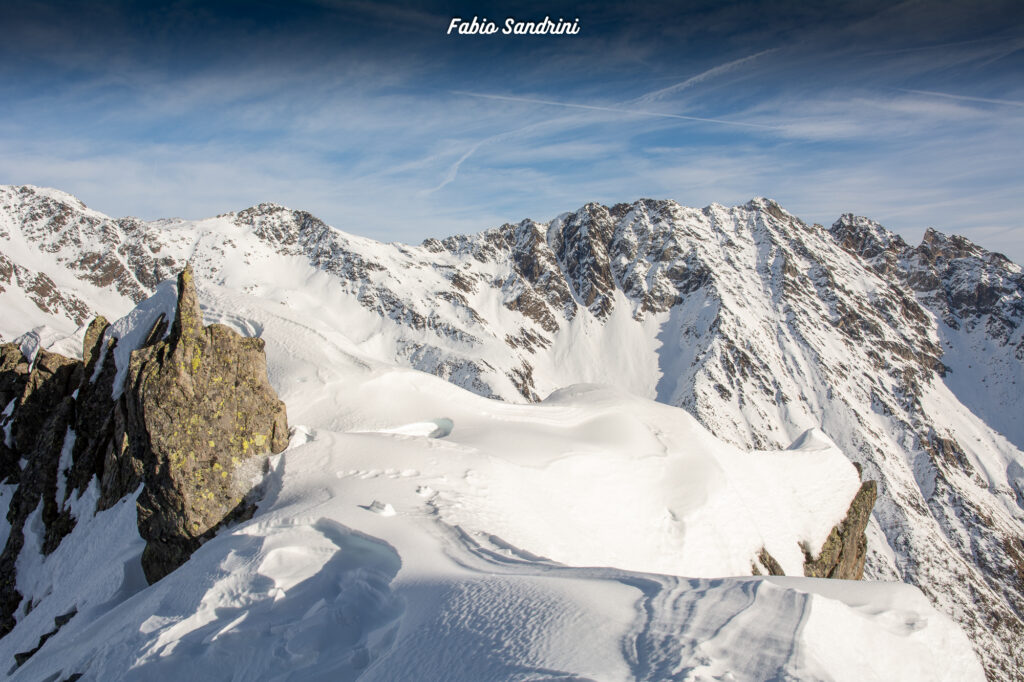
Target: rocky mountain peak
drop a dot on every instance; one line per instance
(283, 227)
(865, 237)
(581, 245)
(40, 198)
(937, 246)
(877, 246)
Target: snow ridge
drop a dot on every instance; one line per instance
(759, 325)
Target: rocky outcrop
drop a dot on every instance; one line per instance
(768, 562)
(195, 421)
(14, 371)
(844, 552)
(201, 417)
(38, 426)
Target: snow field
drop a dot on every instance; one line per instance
(416, 531)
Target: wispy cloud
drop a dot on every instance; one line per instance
(615, 110)
(690, 82)
(453, 170)
(939, 46)
(467, 133)
(966, 98)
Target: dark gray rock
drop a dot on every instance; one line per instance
(58, 623)
(769, 563)
(14, 371)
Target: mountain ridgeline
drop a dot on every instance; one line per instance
(910, 358)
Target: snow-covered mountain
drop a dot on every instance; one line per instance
(759, 325)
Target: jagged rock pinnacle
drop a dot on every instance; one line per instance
(202, 417)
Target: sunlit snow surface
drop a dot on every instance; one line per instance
(415, 531)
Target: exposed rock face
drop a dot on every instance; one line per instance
(768, 562)
(13, 373)
(844, 552)
(38, 426)
(200, 412)
(96, 411)
(194, 424)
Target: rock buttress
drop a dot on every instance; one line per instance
(201, 417)
(194, 424)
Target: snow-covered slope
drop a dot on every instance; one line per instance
(414, 530)
(755, 323)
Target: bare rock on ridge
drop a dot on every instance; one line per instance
(201, 418)
(38, 426)
(194, 424)
(845, 550)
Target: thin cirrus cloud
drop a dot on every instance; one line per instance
(387, 127)
(701, 77)
(967, 98)
(628, 111)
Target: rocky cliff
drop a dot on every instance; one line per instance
(844, 552)
(192, 424)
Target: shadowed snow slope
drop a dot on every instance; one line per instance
(591, 536)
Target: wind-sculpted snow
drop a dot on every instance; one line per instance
(757, 324)
(319, 584)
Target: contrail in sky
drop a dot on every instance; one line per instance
(626, 109)
(617, 110)
(700, 77)
(987, 100)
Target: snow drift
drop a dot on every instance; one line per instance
(414, 530)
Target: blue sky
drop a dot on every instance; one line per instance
(371, 117)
